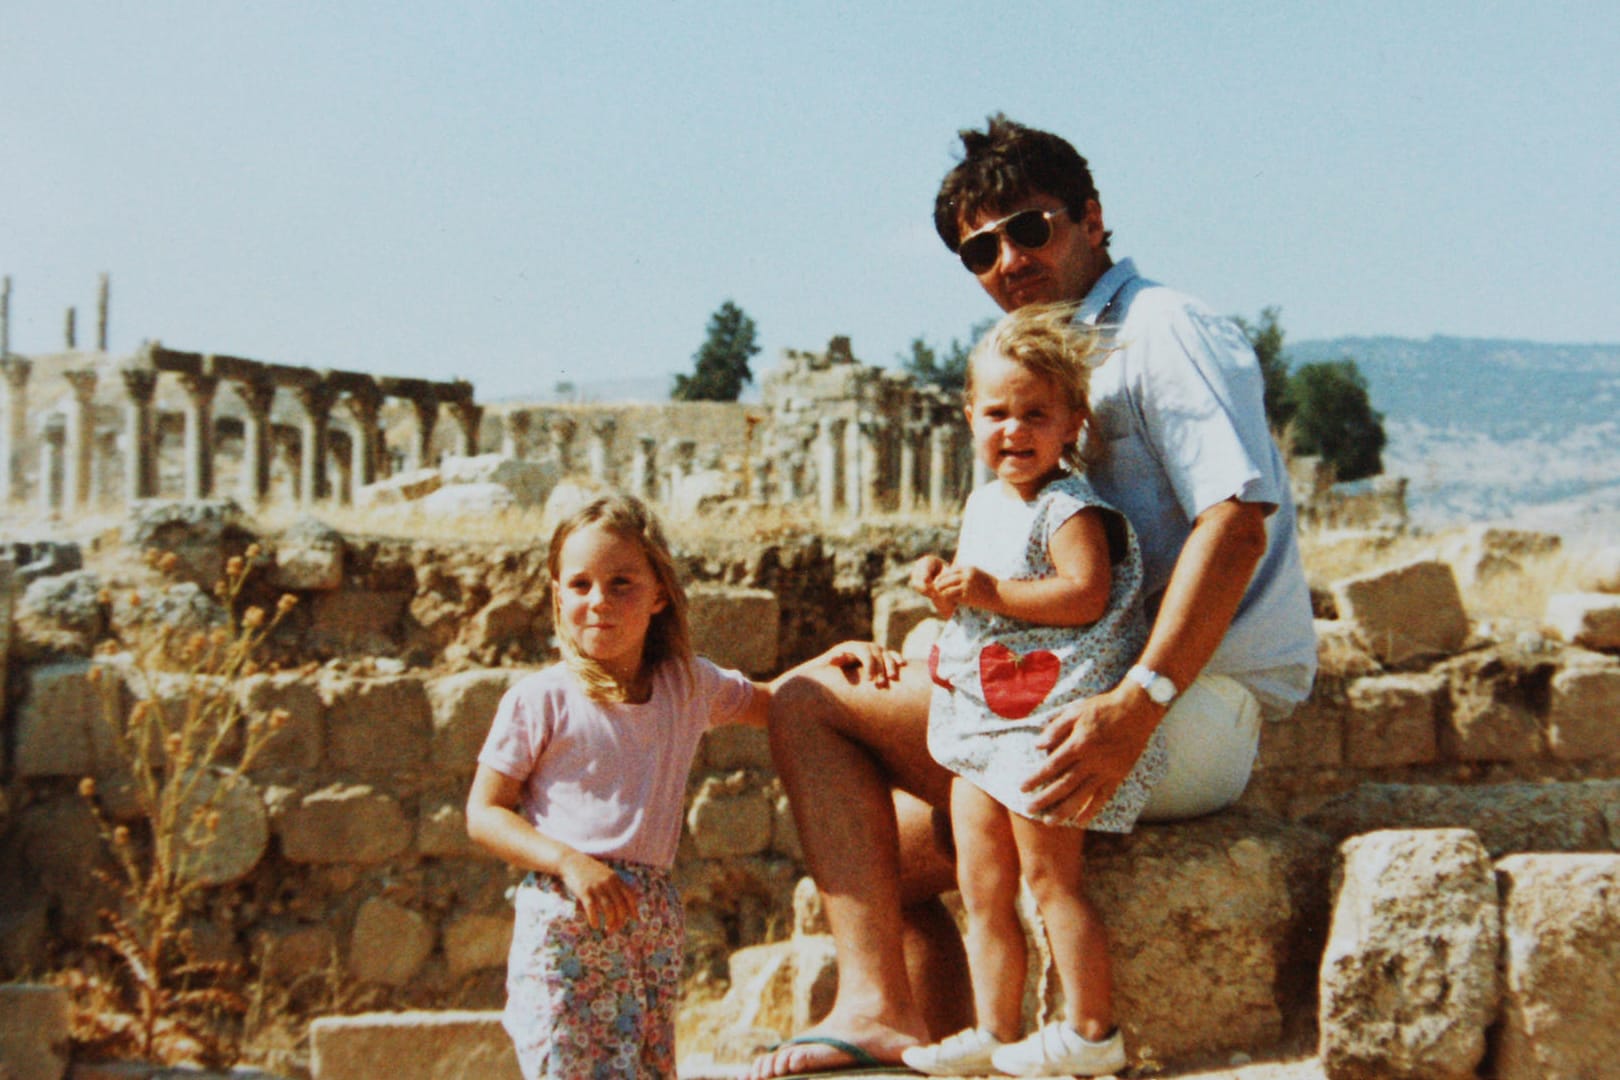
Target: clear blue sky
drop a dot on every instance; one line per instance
(524, 192)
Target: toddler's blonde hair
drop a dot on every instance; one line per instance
(1045, 339)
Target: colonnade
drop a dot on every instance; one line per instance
(68, 446)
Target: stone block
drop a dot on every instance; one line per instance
(233, 834)
(470, 500)
(1211, 924)
(475, 942)
(34, 1035)
(1312, 736)
(735, 627)
(1392, 720)
(298, 745)
(309, 556)
(1599, 570)
(1507, 818)
(1590, 620)
(442, 831)
(450, 1045)
(761, 991)
(1405, 614)
(737, 746)
(1495, 695)
(1560, 1017)
(463, 706)
(1340, 651)
(400, 488)
(57, 722)
(1409, 981)
(1482, 552)
(727, 818)
(896, 613)
(1583, 715)
(343, 823)
(527, 482)
(288, 950)
(357, 620)
(377, 727)
(390, 943)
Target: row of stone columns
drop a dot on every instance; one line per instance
(68, 448)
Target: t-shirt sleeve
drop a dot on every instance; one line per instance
(721, 694)
(1195, 410)
(518, 733)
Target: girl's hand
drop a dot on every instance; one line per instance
(924, 575)
(968, 585)
(881, 665)
(605, 900)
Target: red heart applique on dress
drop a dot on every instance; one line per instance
(1014, 685)
(933, 669)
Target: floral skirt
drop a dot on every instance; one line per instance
(582, 1002)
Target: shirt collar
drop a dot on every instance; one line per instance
(1103, 292)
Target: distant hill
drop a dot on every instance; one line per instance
(1491, 429)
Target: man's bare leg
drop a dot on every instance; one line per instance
(936, 961)
(841, 745)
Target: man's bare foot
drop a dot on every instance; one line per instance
(832, 1047)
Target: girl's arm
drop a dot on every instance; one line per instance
(494, 825)
(1075, 594)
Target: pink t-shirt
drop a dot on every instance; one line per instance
(610, 780)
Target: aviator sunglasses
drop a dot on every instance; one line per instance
(1029, 229)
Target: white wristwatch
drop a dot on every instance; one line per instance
(1160, 690)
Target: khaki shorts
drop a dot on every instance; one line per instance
(1212, 733)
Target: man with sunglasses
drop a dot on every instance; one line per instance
(1189, 459)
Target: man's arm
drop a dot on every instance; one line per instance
(1093, 744)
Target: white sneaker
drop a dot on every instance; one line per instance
(967, 1053)
(1059, 1050)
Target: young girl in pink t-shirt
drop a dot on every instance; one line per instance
(582, 782)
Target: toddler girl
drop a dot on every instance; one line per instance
(1044, 606)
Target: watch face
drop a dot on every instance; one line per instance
(1161, 690)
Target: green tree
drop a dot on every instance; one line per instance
(1267, 338)
(720, 366)
(1334, 417)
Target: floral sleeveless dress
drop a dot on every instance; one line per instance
(998, 681)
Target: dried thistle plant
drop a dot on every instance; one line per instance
(184, 756)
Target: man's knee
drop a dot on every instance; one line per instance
(1212, 736)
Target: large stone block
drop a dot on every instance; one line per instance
(1507, 818)
(1590, 620)
(1583, 715)
(34, 1036)
(475, 942)
(1599, 570)
(288, 950)
(357, 620)
(1392, 720)
(1409, 982)
(308, 556)
(377, 727)
(896, 613)
(463, 706)
(297, 745)
(1495, 698)
(452, 1045)
(1561, 967)
(1311, 737)
(343, 823)
(1407, 613)
(58, 722)
(442, 831)
(1483, 552)
(737, 746)
(730, 817)
(1212, 925)
(390, 942)
(527, 482)
(735, 627)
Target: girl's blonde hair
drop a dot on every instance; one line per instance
(1045, 339)
(669, 637)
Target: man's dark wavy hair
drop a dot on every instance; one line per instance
(1004, 163)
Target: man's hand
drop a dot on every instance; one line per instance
(605, 900)
(882, 666)
(1091, 746)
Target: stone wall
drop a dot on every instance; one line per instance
(390, 672)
